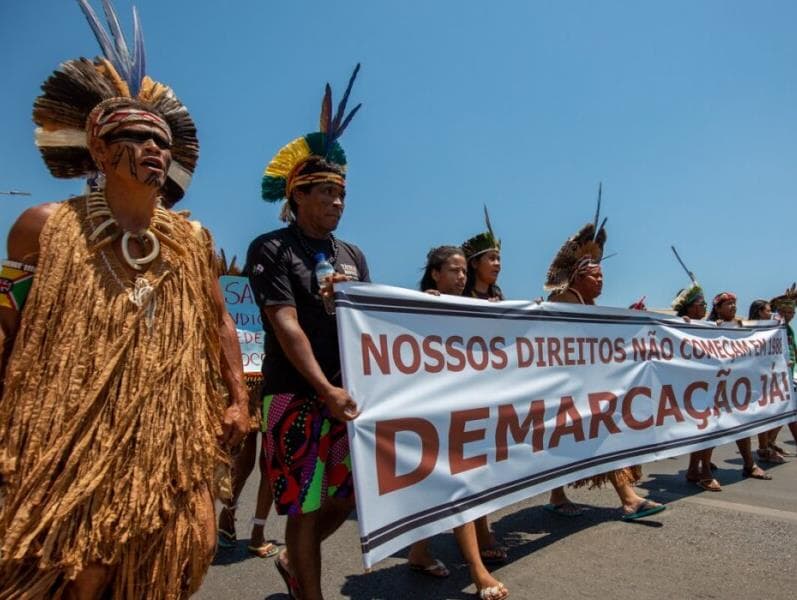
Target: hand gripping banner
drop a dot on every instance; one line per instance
(469, 406)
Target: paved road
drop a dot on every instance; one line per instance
(740, 543)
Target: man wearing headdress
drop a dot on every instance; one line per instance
(121, 358)
(305, 431)
(575, 276)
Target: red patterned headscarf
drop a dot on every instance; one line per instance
(723, 297)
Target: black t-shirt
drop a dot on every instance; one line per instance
(281, 271)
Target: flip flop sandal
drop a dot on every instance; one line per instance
(495, 555)
(780, 450)
(644, 509)
(226, 539)
(710, 485)
(753, 474)
(437, 569)
(494, 592)
(770, 456)
(265, 550)
(560, 510)
(290, 580)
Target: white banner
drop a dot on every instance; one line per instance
(469, 406)
(240, 303)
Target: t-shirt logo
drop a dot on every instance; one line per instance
(350, 271)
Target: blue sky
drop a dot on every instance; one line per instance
(686, 111)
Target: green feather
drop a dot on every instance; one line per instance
(272, 188)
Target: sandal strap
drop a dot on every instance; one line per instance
(260, 522)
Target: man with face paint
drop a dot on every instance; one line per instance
(575, 276)
(122, 377)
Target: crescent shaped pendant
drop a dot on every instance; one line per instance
(144, 260)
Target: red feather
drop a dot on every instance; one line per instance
(326, 110)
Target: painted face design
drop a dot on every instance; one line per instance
(138, 151)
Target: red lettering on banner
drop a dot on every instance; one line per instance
(569, 344)
(599, 416)
(498, 351)
(701, 415)
(554, 345)
(540, 351)
(567, 410)
(398, 358)
(628, 416)
(380, 355)
(455, 353)
(458, 437)
(524, 351)
(485, 356)
(668, 406)
(385, 440)
(434, 354)
(508, 421)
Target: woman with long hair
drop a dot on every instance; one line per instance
(446, 273)
(483, 253)
(723, 313)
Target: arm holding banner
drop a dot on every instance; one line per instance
(297, 348)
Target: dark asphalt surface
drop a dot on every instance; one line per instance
(739, 543)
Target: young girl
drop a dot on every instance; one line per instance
(446, 273)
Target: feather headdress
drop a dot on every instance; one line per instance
(79, 86)
(280, 176)
(585, 246)
(687, 295)
(483, 242)
(789, 298)
(227, 268)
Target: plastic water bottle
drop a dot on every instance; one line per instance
(323, 273)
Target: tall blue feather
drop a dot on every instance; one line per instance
(342, 106)
(339, 123)
(99, 32)
(139, 67)
(683, 264)
(598, 212)
(116, 31)
(339, 131)
(131, 69)
(599, 229)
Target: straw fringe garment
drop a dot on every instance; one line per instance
(108, 423)
(626, 475)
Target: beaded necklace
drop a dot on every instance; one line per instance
(309, 251)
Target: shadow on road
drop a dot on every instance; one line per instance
(523, 533)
